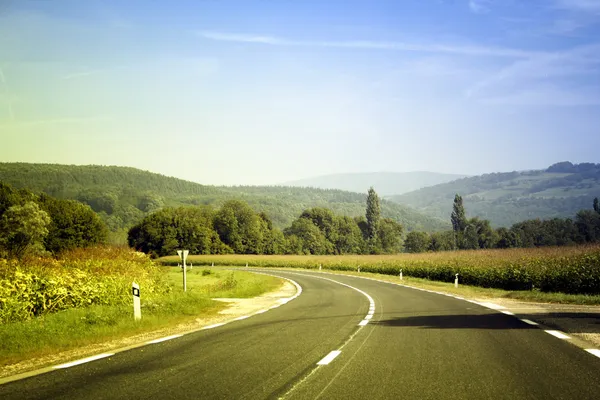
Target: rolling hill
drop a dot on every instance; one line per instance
(385, 183)
(505, 198)
(123, 195)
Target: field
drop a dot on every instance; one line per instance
(569, 270)
(84, 298)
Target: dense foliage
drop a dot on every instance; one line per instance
(476, 233)
(507, 198)
(37, 224)
(237, 228)
(124, 196)
(77, 278)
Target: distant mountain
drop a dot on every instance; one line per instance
(505, 198)
(123, 195)
(385, 183)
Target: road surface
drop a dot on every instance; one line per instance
(343, 338)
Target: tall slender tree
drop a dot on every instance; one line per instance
(459, 221)
(458, 218)
(373, 214)
(596, 205)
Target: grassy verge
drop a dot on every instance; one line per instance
(80, 327)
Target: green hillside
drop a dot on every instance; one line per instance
(506, 198)
(123, 195)
(385, 183)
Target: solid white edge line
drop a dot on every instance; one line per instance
(507, 312)
(329, 357)
(164, 339)
(557, 334)
(528, 321)
(83, 361)
(241, 318)
(261, 311)
(214, 326)
(595, 352)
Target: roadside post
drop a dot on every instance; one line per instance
(401, 275)
(319, 267)
(183, 255)
(137, 308)
(358, 269)
(456, 281)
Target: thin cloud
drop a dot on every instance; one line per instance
(592, 6)
(479, 6)
(82, 74)
(559, 69)
(368, 44)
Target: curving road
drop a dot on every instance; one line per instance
(343, 338)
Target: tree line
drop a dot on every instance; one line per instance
(476, 233)
(237, 228)
(32, 224)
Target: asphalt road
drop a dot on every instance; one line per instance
(417, 345)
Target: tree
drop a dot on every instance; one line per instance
(373, 214)
(442, 241)
(596, 205)
(23, 227)
(390, 236)
(416, 242)
(588, 225)
(458, 217)
(73, 225)
(239, 227)
(307, 238)
(349, 239)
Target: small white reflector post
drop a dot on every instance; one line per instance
(137, 308)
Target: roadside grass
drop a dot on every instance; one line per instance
(80, 327)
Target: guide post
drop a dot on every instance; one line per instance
(137, 309)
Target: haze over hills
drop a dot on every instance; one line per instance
(506, 198)
(385, 183)
(123, 195)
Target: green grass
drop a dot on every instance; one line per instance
(79, 327)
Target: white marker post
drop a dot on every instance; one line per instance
(358, 268)
(183, 255)
(401, 275)
(456, 281)
(137, 308)
(319, 267)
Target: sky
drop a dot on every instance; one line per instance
(266, 91)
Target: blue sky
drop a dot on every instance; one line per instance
(261, 92)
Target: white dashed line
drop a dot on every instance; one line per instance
(595, 352)
(528, 321)
(329, 357)
(83, 361)
(164, 339)
(557, 334)
(507, 312)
